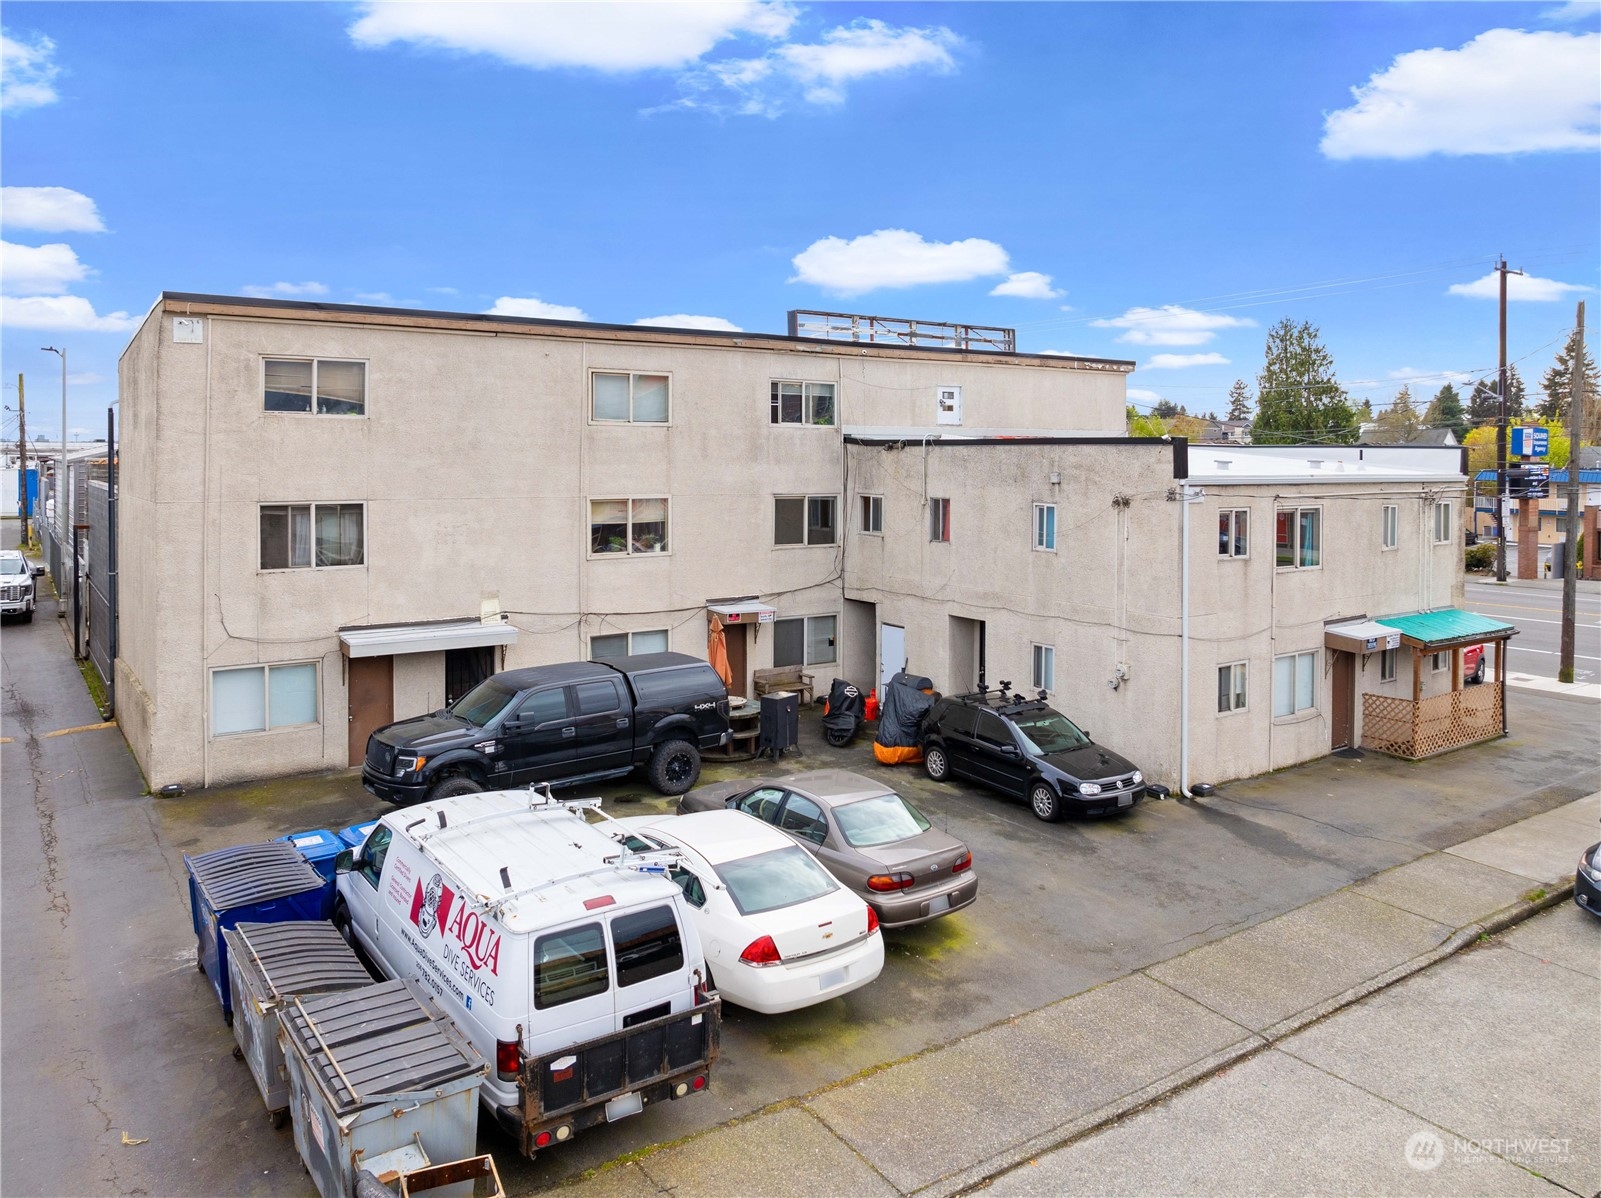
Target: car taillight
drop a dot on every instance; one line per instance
(872, 921)
(761, 952)
(508, 1060)
(965, 861)
(883, 882)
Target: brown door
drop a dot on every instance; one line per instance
(372, 701)
(735, 636)
(1344, 699)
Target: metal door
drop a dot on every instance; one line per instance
(1344, 713)
(605, 726)
(465, 669)
(891, 653)
(539, 739)
(997, 757)
(371, 701)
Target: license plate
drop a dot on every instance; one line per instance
(834, 977)
(940, 903)
(623, 1106)
(1125, 800)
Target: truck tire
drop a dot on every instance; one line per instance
(452, 787)
(674, 767)
(27, 616)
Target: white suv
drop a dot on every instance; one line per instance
(16, 585)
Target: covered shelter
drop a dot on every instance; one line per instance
(1421, 727)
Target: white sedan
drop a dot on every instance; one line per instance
(779, 932)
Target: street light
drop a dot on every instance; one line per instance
(61, 469)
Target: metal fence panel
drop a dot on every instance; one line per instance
(97, 591)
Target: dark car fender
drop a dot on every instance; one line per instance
(459, 761)
(674, 727)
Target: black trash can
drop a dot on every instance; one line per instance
(779, 730)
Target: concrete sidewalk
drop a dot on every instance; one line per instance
(944, 1121)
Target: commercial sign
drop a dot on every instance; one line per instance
(1531, 441)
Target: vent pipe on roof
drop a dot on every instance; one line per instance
(505, 878)
(441, 819)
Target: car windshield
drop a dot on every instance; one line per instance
(13, 565)
(772, 880)
(1046, 731)
(882, 819)
(484, 702)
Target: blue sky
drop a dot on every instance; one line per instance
(1145, 181)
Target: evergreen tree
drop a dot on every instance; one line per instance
(1364, 413)
(1557, 383)
(1239, 401)
(1399, 422)
(1166, 409)
(1298, 397)
(1445, 411)
(1483, 406)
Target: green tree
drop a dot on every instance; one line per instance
(1141, 425)
(1557, 383)
(1166, 409)
(1239, 401)
(1445, 411)
(1485, 408)
(1364, 411)
(1298, 397)
(1399, 422)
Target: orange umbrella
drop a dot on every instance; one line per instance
(717, 651)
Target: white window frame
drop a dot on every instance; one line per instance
(1042, 534)
(871, 513)
(312, 506)
(1295, 527)
(1239, 687)
(628, 639)
(1307, 660)
(806, 523)
(632, 375)
(1442, 515)
(1042, 667)
(1389, 665)
(940, 524)
(1234, 515)
(808, 412)
(266, 698)
(806, 638)
(366, 386)
(1390, 527)
(628, 549)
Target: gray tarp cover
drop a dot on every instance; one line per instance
(901, 710)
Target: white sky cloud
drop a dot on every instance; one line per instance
(1028, 284)
(1573, 10)
(285, 290)
(1180, 361)
(39, 269)
(1141, 395)
(683, 320)
(49, 210)
(381, 299)
(1505, 92)
(61, 313)
(1435, 378)
(28, 72)
(509, 305)
(894, 258)
(861, 49)
(84, 378)
(1170, 325)
(1529, 288)
(616, 37)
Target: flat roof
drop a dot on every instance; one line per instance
(1242, 465)
(198, 303)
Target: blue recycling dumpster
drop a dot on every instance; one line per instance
(249, 883)
(356, 835)
(320, 848)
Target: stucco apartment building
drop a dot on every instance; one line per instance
(333, 516)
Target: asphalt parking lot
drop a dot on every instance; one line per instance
(132, 1040)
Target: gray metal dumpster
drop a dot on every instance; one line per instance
(268, 964)
(371, 1069)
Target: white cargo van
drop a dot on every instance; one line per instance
(571, 964)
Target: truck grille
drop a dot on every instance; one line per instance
(380, 757)
(11, 594)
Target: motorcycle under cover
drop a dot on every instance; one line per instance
(844, 707)
(901, 710)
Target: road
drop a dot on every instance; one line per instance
(1537, 613)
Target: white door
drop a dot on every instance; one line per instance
(891, 653)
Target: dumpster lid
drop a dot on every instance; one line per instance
(299, 957)
(251, 873)
(364, 1045)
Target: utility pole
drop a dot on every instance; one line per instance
(22, 460)
(1501, 437)
(1570, 574)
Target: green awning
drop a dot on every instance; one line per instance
(1447, 628)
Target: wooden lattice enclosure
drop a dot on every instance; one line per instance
(1403, 728)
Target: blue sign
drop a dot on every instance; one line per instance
(1531, 441)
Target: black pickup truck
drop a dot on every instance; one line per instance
(564, 724)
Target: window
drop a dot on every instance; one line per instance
(694, 890)
(778, 878)
(992, 730)
(763, 803)
(1391, 535)
(1298, 538)
(628, 526)
(329, 388)
(1442, 523)
(256, 698)
(296, 536)
(1440, 661)
(939, 519)
(1294, 683)
(647, 944)
(1234, 532)
(373, 853)
(804, 520)
(621, 644)
(1045, 526)
(872, 513)
(807, 641)
(1044, 667)
(804, 818)
(543, 707)
(801, 403)
(569, 965)
(1231, 687)
(597, 698)
(882, 819)
(629, 398)
(1387, 661)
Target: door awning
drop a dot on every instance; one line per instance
(1448, 628)
(1361, 636)
(744, 612)
(435, 636)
